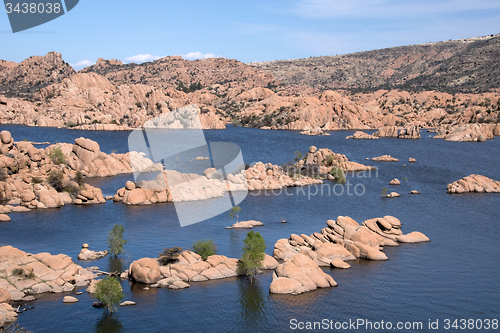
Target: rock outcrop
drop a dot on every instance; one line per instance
(412, 132)
(86, 254)
(7, 314)
(246, 225)
(345, 239)
(189, 267)
(474, 183)
(23, 274)
(299, 274)
(385, 158)
(315, 131)
(52, 177)
(325, 159)
(393, 195)
(468, 133)
(387, 132)
(145, 270)
(362, 136)
(395, 181)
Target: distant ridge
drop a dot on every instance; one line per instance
(465, 65)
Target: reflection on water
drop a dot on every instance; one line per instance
(252, 303)
(117, 264)
(108, 323)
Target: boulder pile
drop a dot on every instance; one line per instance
(474, 183)
(468, 133)
(51, 177)
(385, 158)
(326, 158)
(345, 239)
(359, 135)
(299, 274)
(246, 225)
(23, 274)
(189, 267)
(86, 254)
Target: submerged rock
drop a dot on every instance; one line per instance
(70, 299)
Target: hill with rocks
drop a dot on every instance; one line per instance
(313, 95)
(454, 66)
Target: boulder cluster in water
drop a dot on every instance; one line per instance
(24, 275)
(474, 183)
(342, 240)
(189, 267)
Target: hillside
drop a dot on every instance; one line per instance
(295, 95)
(455, 66)
(31, 75)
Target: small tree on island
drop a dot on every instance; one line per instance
(253, 255)
(115, 240)
(109, 292)
(234, 212)
(205, 248)
(169, 255)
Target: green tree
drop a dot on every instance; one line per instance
(298, 156)
(205, 248)
(109, 292)
(234, 212)
(55, 180)
(115, 240)
(253, 255)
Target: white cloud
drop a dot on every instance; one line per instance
(198, 55)
(140, 58)
(82, 64)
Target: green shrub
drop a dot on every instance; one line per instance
(204, 248)
(36, 180)
(115, 240)
(18, 272)
(338, 173)
(57, 156)
(329, 160)
(79, 178)
(71, 189)
(70, 124)
(55, 180)
(169, 255)
(253, 254)
(109, 292)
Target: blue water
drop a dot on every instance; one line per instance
(454, 276)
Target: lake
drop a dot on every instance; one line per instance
(454, 276)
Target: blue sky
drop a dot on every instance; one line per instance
(245, 30)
